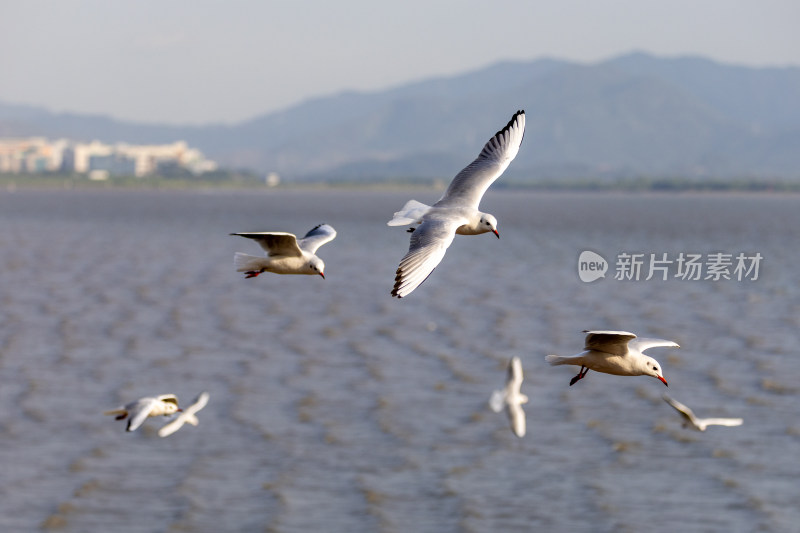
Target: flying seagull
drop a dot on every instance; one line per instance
(286, 254)
(456, 212)
(700, 424)
(615, 352)
(188, 416)
(511, 397)
(141, 409)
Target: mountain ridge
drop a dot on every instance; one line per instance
(632, 115)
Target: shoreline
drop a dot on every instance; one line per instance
(25, 182)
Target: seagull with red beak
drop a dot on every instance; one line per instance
(140, 410)
(456, 212)
(286, 254)
(615, 352)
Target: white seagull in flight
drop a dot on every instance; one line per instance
(141, 409)
(286, 254)
(615, 352)
(188, 416)
(511, 397)
(700, 424)
(456, 211)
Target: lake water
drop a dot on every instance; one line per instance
(335, 407)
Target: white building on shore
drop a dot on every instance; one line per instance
(37, 154)
(33, 154)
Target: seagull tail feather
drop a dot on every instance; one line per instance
(245, 263)
(556, 360)
(411, 213)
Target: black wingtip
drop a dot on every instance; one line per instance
(510, 123)
(315, 228)
(514, 118)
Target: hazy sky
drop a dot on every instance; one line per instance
(195, 61)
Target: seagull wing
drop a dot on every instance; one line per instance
(612, 342)
(139, 412)
(168, 398)
(275, 243)
(316, 238)
(197, 404)
(173, 426)
(641, 344)
(469, 185)
(429, 243)
(514, 378)
(513, 383)
(516, 416)
(722, 421)
(684, 411)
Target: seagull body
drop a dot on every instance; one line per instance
(188, 416)
(456, 212)
(700, 424)
(511, 397)
(286, 254)
(137, 412)
(615, 352)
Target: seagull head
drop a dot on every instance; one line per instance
(317, 266)
(652, 368)
(488, 223)
(171, 408)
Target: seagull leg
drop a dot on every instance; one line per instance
(252, 274)
(580, 375)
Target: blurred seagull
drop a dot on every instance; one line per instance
(456, 211)
(138, 411)
(511, 397)
(286, 254)
(615, 352)
(186, 417)
(700, 424)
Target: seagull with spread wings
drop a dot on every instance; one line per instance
(700, 424)
(188, 416)
(456, 212)
(138, 411)
(511, 398)
(286, 254)
(615, 352)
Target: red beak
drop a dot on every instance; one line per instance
(662, 380)
(496, 233)
(323, 275)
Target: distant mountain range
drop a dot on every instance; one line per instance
(634, 115)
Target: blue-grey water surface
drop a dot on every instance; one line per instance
(335, 407)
